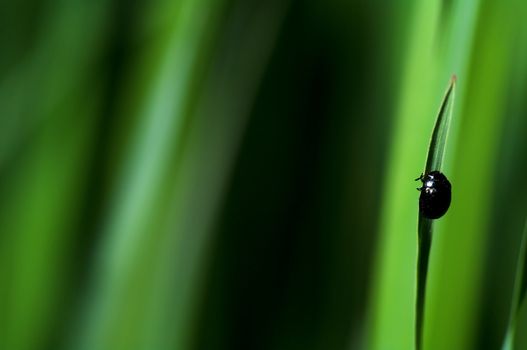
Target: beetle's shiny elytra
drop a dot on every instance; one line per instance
(436, 194)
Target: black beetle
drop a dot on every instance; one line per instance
(436, 194)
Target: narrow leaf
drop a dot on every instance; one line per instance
(434, 161)
(436, 150)
(518, 296)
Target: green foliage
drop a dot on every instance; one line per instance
(434, 162)
(518, 297)
(238, 174)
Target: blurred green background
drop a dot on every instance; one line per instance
(238, 174)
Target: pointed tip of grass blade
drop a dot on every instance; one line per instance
(436, 150)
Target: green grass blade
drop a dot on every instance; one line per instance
(518, 296)
(437, 147)
(434, 161)
(423, 255)
(521, 272)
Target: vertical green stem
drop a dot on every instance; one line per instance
(423, 255)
